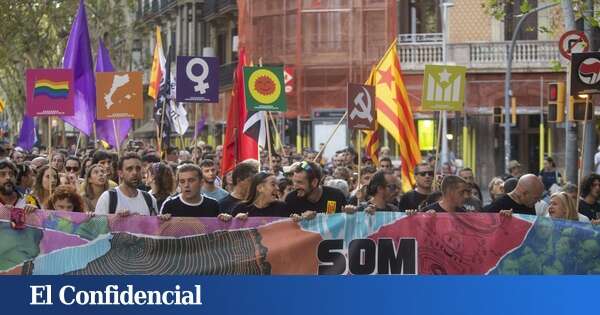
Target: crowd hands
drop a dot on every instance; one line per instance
(188, 183)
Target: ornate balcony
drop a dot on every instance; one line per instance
(419, 50)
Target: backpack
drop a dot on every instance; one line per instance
(112, 201)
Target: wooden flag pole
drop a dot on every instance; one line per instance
(196, 123)
(160, 130)
(49, 154)
(359, 149)
(95, 136)
(78, 141)
(437, 149)
(117, 142)
(277, 136)
(330, 136)
(269, 146)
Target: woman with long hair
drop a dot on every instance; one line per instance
(65, 198)
(46, 180)
(262, 199)
(160, 178)
(94, 184)
(562, 206)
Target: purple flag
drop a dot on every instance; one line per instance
(27, 135)
(78, 56)
(104, 128)
(200, 125)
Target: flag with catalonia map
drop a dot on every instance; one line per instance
(264, 89)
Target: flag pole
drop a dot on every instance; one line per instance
(160, 131)
(359, 149)
(196, 123)
(95, 135)
(117, 142)
(437, 149)
(269, 145)
(318, 156)
(277, 136)
(78, 140)
(50, 151)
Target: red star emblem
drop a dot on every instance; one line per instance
(386, 77)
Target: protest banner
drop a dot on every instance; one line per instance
(55, 242)
(197, 79)
(265, 89)
(119, 95)
(49, 92)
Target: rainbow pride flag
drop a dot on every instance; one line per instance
(52, 89)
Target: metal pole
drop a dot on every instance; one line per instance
(589, 128)
(444, 139)
(571, 156)
(507, 91)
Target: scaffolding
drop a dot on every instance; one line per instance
(327, 44)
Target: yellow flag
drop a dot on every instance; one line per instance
(394, 112)
(158, 67)
(1, 105)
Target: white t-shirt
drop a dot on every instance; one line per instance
(136, 204)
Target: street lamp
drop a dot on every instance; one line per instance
(507, 91)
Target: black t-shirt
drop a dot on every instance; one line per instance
(507, 203)
(332, 201)
(275, 209)
(436, 206)
(411, 200)
(228, 203)
(207, 207)
(589, 210)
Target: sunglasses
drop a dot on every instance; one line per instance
(425, 174)
(71, 168)
(305, 166)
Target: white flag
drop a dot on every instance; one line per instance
(178, 116)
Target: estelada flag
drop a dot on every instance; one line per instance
(157, 75)
(238, 145)
(394, 112)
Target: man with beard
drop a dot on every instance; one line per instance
(424, 178)
(9, 196)
(209, 174)
(126, 198)
(381, 191)
(309, 196)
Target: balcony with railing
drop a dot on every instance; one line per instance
(215, 7)
(151, 8)
(416, 50)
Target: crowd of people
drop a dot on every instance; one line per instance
(188, 183)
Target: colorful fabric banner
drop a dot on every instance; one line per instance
(56, 242)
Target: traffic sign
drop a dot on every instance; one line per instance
(585, 73)
(573, 42)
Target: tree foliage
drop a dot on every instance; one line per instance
(34, 34)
